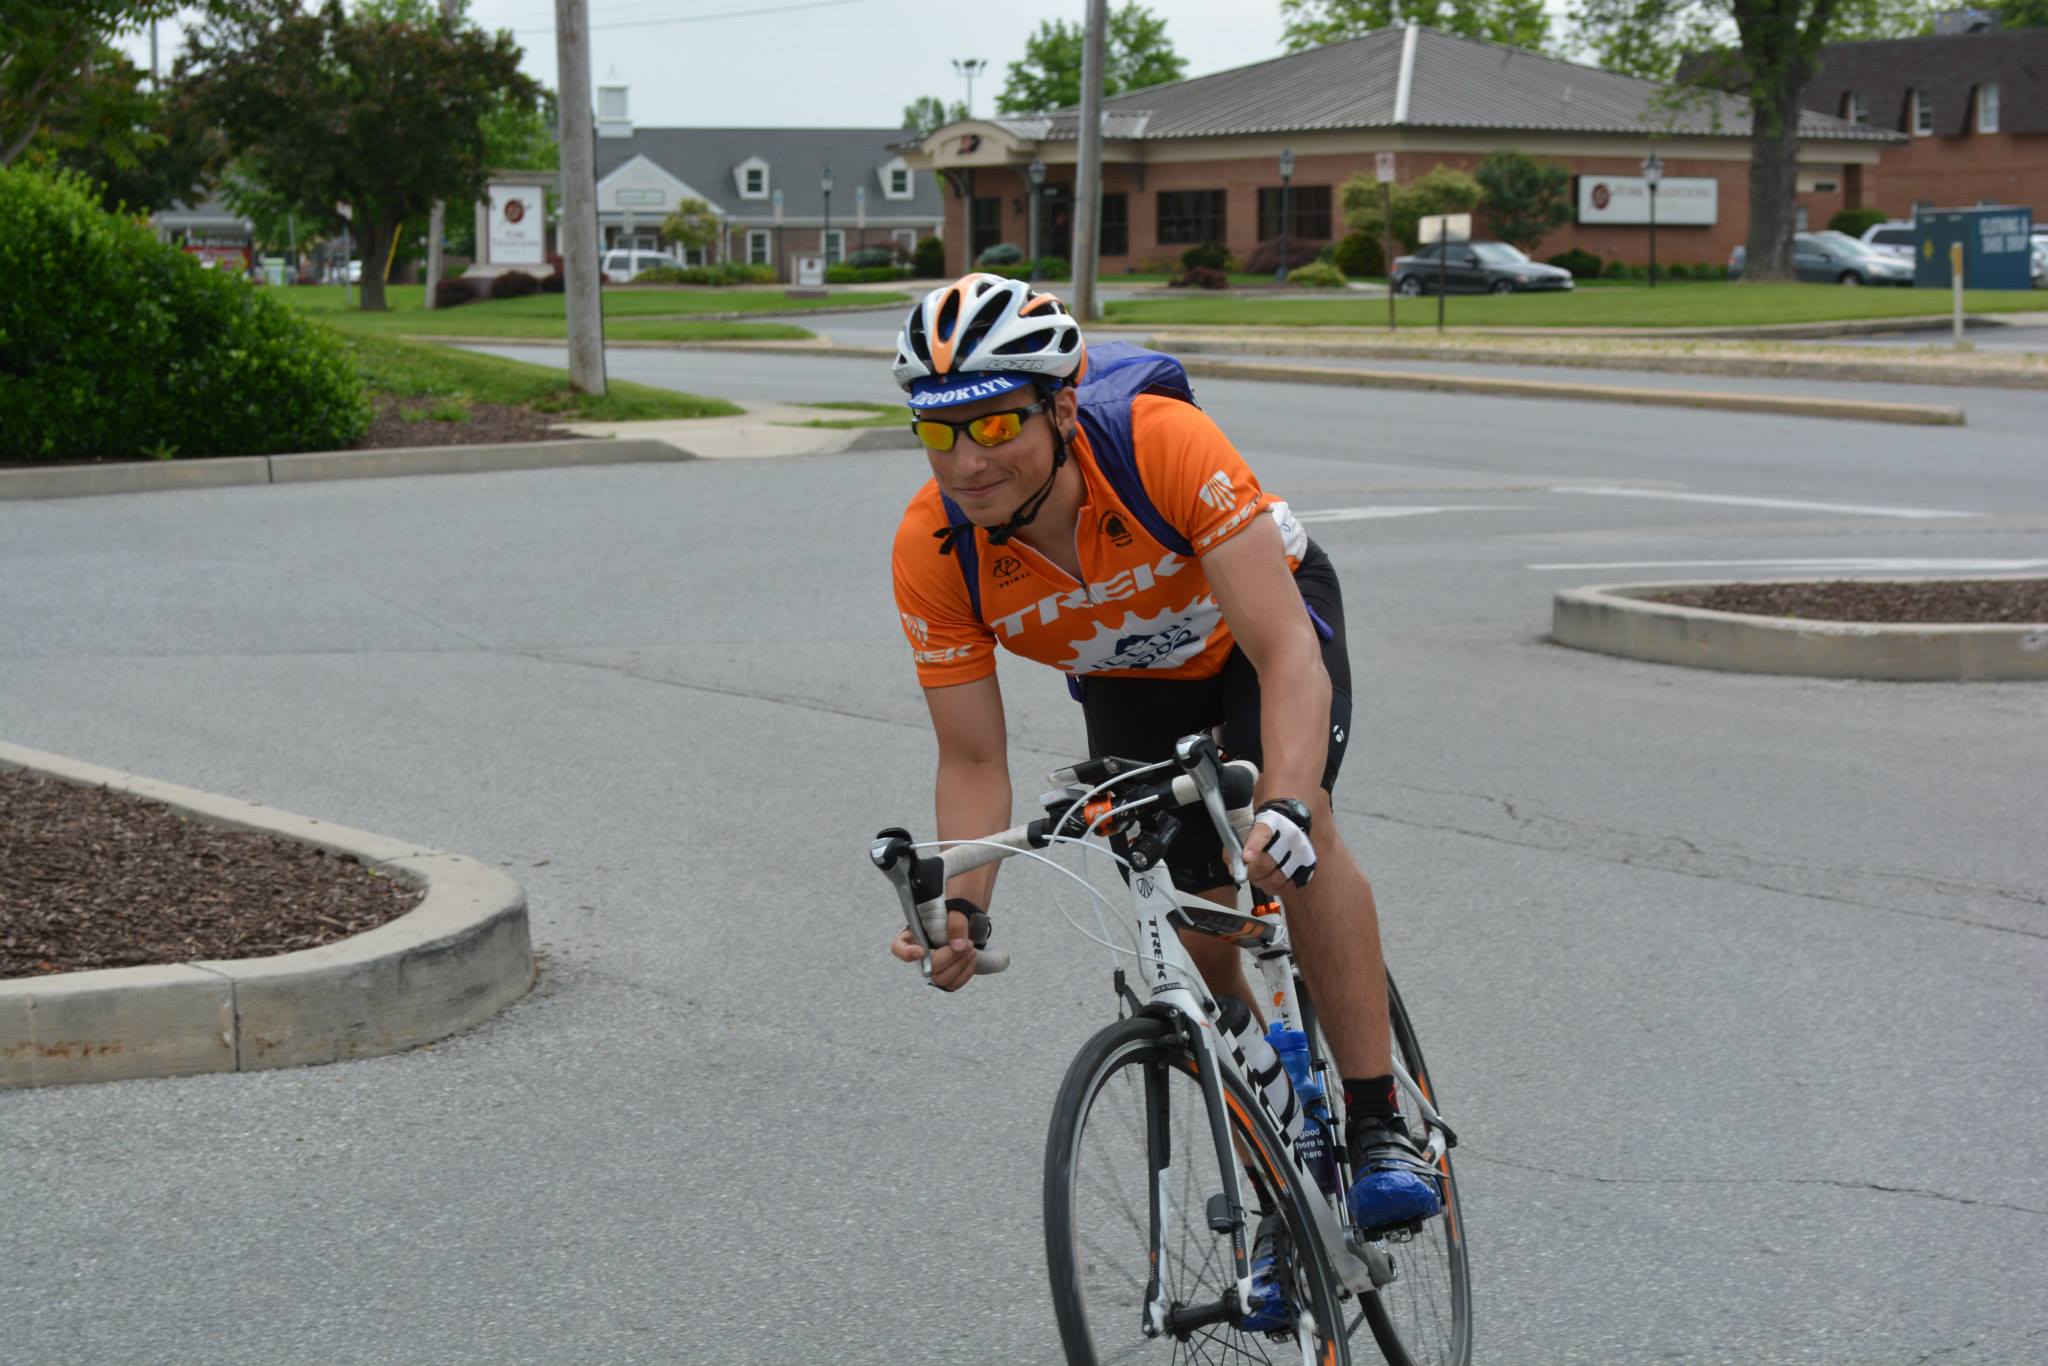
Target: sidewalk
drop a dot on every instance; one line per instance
(764, 430)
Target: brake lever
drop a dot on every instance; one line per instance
(1197, 757)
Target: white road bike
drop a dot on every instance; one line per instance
(1167, 1147)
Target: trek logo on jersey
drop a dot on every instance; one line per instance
(1218, 493)
(1226, 526)
(945, 656)
(920, 630)
(1129, 583)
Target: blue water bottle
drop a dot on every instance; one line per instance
(1314, 1145)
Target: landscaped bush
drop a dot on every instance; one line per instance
(1583, 264)
(1614, 270)
(1048, 268)
(1317, 275)
(1677, 270)
(1856, 222)
(113, 344)
(1266, 257)
(454, 293)
(1201, 277)
(1001, 254)
(514, 284)
(1207, 256)
(1055, 268)
(869, 257)
(928, 262)
(861, 275)
(1359, 255)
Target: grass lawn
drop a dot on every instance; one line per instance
(409, 369)
(1699, 304)
(870, 415)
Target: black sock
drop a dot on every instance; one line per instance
(1371, 1097)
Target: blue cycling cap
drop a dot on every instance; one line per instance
(946, 391)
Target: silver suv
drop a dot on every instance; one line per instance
(1895, 239)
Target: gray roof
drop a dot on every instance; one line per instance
(1455, 82)
(707, 160)
(1950, 68)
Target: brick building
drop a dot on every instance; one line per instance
(767, 186)
(1198, 160)
(1972, 109)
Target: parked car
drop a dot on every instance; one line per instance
(1835, 258)
(623, 263)
(352, 273)
(1896, 239)
(1475, 268)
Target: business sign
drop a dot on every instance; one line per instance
(1996, 243)
(518, 225)
(1383, 167)
(647, 199)
(1445, 227)
(1682, 201)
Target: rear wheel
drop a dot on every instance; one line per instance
(1424, 1318)
(1408, 285)
(1850, 277)
(1501, 287)
(1131, 1128)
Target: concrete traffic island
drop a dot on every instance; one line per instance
(1623, 619)
(458, 958)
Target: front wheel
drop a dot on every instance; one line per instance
(1850, 277)
(1501, 287)
(1425, 1317)
(1130, 1174)
(1408, 285)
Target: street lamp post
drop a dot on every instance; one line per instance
(1653, 171)
(1286, 180)
(1035, 174)
(825, 238)
(969, 68)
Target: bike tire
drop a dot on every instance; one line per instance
(1097, 1226)
(1425, 1317)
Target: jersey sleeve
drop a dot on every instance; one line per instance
(948, 643)
(1192, 473)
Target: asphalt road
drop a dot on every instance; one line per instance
(1732, 984)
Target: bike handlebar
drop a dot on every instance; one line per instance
(920, 880)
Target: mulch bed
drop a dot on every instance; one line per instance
(91, 878)
(1948, 601)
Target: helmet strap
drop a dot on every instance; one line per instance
(1022, 517)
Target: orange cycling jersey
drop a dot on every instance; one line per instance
(1142, 610)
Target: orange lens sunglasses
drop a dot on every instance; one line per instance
(990, 429)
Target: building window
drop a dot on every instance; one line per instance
(1856, 107)
(899, 181)
(611, 102)
(1987, 108)
(834, 245)
(1114, 239)
(986, 230)
(751, 176)
(1923, 114)
(1191, 216)
(757, 247)
(757, 180)
(1308, 212)
(905, 238)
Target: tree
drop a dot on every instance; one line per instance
(694, 225)
(1315, 23)
(53, 56)
(1526, 199)
(1135, 53)
(2023, 14)
(927, 112)
(325, 108)
(1763, 50)
(1443, 190)
(144, 149)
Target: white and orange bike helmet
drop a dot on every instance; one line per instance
(984, 335)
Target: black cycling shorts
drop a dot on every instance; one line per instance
(1140, 718)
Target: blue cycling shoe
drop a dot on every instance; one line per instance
(1395, 1188)
(1270, 1312)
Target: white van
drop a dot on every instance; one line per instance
(1895, 239)
(623, 263)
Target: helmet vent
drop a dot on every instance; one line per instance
(919, 346)
(949, 314)
(987, 317)
(1029, 344)
(1069, 341)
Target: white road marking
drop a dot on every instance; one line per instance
(1731, 500)
(1368, 514)
(1869, 565)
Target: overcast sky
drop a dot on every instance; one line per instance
(812, 63)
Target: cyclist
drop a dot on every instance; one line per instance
(1083, 512)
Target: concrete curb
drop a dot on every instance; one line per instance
(149, 476)
(1793, 405)
(1825, 369)
(460, 956)
(1615, 619)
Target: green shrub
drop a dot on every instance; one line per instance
(1207, 256)
(1317, 275)
(1583, 264)
(113, 344)
(1358, 255)
(514, 284)
(1267, 257)
(1200, 277)
(1677, 270)
(1001, 254)
(928, 262)
(1856, 222)
(723, 273)
(860, 275)
(870, 257)
(1614, 270)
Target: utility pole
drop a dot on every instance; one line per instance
(437, 220)
(1088, 173)
(969, 67)
(579, 198)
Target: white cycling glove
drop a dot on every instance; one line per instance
(1287, 818)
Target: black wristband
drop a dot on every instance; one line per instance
(1293, 808)
(978, 924)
